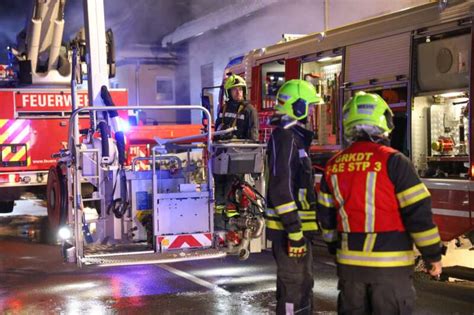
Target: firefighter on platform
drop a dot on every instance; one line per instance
(235, 112)
(372, 206)
(291, 200)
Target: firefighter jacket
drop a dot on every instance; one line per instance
(291, 199)
(372, 205)
(241, 115)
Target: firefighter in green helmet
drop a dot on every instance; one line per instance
(234, 112)
(372, 207)
(291, 200)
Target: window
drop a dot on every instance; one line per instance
(164, 90)
(273, 74)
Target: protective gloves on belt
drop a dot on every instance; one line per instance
(297, 247)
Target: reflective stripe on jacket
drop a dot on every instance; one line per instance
(374, 206)
(291, 199)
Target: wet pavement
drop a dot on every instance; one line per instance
(35, 280)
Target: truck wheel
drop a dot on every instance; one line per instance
(6, 206)
(56, 201)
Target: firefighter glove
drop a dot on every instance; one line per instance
(297, 247)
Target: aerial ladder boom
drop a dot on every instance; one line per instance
(40, 57)
(40, 54)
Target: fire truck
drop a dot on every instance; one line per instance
(114, 196)
(36, 101)
(419, 60)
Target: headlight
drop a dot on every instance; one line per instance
(64, 233)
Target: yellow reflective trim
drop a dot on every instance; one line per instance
(376, 259)
(285, 208)
(296, 236)
(305, 226)
(269, 212)
(370, 201)
(329, 235)
(413, 195)
(425, 233)
(426, 238)
(325, 200)
(275, 225)
(344, 241)
(369, 242)
(302, 192)
(428, 242)
(342, 212)
(219, 209)
(308, 215)
(309, 226)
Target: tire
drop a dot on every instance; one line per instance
(6, 206)
(56, 197)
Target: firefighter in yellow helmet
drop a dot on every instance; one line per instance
(291, 200)
(235, 112)
(372, 207)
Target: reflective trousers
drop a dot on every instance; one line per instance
(294, 280)
(395, 295)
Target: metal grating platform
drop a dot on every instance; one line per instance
(106, 249)
(150, 257)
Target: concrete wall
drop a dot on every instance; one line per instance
(258, 30)
(266, 27)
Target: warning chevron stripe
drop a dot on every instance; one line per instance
(3, 123)
(13, 130)
(22, 136)
(19, 156)
(9, 156)
(6, 151)
(17, 133)
(14, 133)
(173, 242)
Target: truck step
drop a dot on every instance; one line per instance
(144, 258)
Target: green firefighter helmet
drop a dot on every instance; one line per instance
(234, 81)
(367, 110)
(294, 98)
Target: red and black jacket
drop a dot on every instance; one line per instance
(373, 205)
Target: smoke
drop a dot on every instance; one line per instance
(133, 22)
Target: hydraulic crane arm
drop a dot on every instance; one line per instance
(42, 57)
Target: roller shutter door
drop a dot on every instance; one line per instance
(382, 59)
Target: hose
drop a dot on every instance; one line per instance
(104, 136)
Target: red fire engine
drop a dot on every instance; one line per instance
(35, 101)
(33, 126)
(419, 60)
(109, 208)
